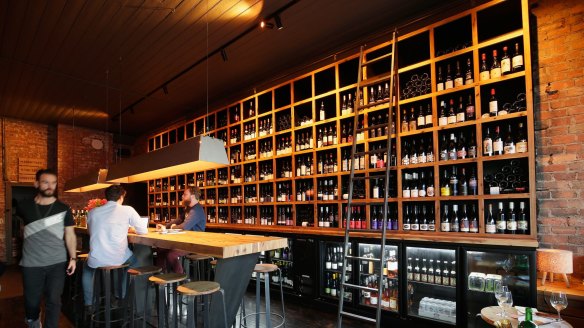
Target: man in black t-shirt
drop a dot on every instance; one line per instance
(47, 222)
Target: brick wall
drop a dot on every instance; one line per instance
(560, 125)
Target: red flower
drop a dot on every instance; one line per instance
(93, 203)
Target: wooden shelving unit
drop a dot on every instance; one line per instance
(293, 112)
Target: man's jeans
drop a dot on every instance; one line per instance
(89, 276)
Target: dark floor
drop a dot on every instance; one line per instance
(298, 315)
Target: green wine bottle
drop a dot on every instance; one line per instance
(527, 323)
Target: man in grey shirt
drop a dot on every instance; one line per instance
(108, 227)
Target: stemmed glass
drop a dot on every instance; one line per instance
(559, 301)
(500, 294)
(508, 302)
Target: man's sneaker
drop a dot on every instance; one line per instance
(34, 323)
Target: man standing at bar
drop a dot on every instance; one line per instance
(194, 220)
(108, 227)
(47, 222)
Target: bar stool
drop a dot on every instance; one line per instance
(201, 267)
(104, 275)
(144, 273)
(201, 288)
(170, 280)
(266, 269)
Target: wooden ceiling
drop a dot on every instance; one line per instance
(85, 62)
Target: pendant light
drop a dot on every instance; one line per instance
(97, 178)
(196, 154)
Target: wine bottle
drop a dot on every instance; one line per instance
(443, 119)
(428, 118)
(440, 83)
(493, 104)
(497, 142)
(458, 80)
(521, 143)
(454, 219)
(511, 219)
(488, 144)
(522, 223)
(501, 221)
(509, 146)
(470, 109)
(474, 223)
(461, 113)
(496, 66)
(444, 221)
(517, 60)
(528, 322)
(421, 118)
(451, 113)
(505, 62)
(490, 226)
(448, 84)
(322, 112)
(468, 78)
(484, 71)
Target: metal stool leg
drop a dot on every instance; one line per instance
(161, 297)
(146, 305)
(282, 298)
(108, 300)
(192, 307)
(267, 292)
(258, 292)
(224, 310)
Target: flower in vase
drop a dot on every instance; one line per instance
(93, 203)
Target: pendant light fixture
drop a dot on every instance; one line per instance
(97, 178)
(196, 154)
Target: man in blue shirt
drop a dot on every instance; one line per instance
(108, 227)
(193, 220)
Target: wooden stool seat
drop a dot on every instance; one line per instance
(168, 278)
(113, 267)
(214, 262)
(197, 257)
(199, 288)
(265, 268)
(150, 269)
(83, 256)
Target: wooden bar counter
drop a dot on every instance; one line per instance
(236, 254)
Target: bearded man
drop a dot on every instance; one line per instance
(48, 236)
(194, 220)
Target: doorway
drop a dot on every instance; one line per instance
(15, 192)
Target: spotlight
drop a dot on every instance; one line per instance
(224, 55)
(278, 22)
(264, 24)
(165, 89)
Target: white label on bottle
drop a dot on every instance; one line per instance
(493, 108)
(440, 86)
(494, 190)
(415, 226)
(442, 121)
(406, 226)
(392, 303)
(375, 192)
(452, 119)
(385, 303)
(498, 146)
(522, 225)
(458, 82)
(430, 191)
(373, 300)
(414, 194)
(422, 192)
(488, 147)
(521, 147)
(512, 225)
(484, 75)
(406, 193)
(517, 61)
(460, 117)
(421, 121)
(445, 226)
(448, 84)
(495, 72)
(501, 225)
(505, 65)
(509, 149)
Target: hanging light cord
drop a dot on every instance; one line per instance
(207, 65)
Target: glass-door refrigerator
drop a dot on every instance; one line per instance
(331, 270)
(369, 272)
(485, 269)
(431, 282)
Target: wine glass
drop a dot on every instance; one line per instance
(559, 301)
(508, 302)
(500, 291)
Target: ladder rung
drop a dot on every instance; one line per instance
(373, 127)
(370, 259)
(371, 289)
(356, 316)
(369, 105)
(375, 80)
(374, 60)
